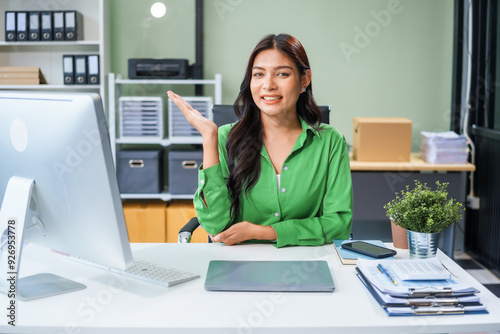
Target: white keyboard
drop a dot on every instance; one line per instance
(419, 270)
(156, 274)
(148, 272)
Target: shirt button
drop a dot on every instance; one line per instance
(285, 168)
(202, 181)
(276, 214)
(283, 190)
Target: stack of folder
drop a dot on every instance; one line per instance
(21, 75)
(443, 147)
(410, 298)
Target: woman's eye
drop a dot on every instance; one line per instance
(256, 75)
(282, 74)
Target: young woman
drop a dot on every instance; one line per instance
(278, 174)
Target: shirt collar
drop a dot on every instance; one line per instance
(300, 141)
(306, 127)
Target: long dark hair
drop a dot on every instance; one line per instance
(244, 142)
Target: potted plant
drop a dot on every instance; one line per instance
(424, 213)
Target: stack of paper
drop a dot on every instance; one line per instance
(21, 75)
(443, 147)
(424, 297)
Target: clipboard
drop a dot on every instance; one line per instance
(399, 288)
(435, 310)
(386, 300)
(425, 306)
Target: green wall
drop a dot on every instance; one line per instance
(368, 57)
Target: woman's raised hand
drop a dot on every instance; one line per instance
(207, 128)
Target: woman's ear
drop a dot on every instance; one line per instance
(306, 79)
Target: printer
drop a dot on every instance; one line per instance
(145, 68)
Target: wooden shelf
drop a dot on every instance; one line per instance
(415, 164)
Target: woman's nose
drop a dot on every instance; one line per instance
(269, 82)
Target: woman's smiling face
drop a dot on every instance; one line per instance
(276, 83)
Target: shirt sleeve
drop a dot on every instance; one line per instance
(335, 220)
(212, 200)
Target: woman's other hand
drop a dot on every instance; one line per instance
(244, 231)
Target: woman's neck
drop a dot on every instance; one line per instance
(280, 126)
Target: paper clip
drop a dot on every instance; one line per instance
(419, 310)
(432, 301)
(436, 291)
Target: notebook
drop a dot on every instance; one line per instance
(275, 276)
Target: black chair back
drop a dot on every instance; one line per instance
(224, 114)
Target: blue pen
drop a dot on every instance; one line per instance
(384, 271)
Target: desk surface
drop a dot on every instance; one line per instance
(415, 164)
(115, 304)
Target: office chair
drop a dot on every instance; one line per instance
(224, 114)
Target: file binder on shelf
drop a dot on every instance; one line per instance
(68, 70)
(22, 26)
(58, 26)
(46, 26)
(93, 69)
(72, 25)
(81, 70)
(34, 26)
(10, 27)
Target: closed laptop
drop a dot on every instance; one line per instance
(276, 276)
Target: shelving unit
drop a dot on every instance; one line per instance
(115, 84)
(49, 55)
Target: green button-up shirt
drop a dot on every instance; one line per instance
(313, 205)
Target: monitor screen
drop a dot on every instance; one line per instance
(224, 114)
(59, 143)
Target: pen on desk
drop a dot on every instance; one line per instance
(384, 271)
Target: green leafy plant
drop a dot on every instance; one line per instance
(424, 210)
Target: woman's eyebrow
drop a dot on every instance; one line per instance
(274, 68)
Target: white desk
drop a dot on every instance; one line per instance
(114, 304)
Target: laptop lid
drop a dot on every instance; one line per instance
(275, 276)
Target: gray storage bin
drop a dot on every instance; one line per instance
(140, 171)
(183, 171)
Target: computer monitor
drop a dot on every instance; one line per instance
(224, 114)
(58, 184)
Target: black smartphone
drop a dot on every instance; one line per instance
(369, 249)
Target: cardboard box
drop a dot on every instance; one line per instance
(382, 139)
(146, 221)
(179, 212)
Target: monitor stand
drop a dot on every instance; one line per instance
(13, 218)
